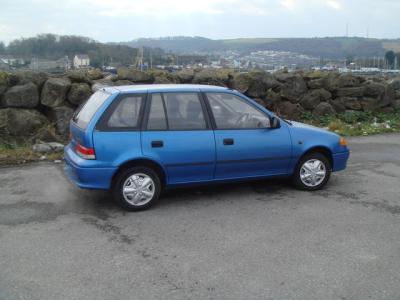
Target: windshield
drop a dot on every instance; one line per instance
(83, 115)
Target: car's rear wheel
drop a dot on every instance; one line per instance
(136, 188)
(312, 172)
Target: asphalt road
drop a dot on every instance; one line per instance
(259, 240)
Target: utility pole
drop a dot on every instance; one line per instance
(141, 61)
(151, 60)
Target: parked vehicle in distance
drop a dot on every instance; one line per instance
(137, 140)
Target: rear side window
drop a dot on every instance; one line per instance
(123, 113)
(86, 113)
(126, 114)
(176, 111)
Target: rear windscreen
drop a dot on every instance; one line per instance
(83, 116)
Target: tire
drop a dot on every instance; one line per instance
(308, 173)
(136, 188)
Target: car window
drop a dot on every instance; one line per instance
(126, 114)
(232, 112)
(83, 116)
(157, 120)
(184, 111)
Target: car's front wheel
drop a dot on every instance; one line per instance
(312, 172)
(137, 188)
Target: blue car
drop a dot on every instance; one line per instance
(137, 140)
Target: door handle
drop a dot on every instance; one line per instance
(157, 144)
(228, 142)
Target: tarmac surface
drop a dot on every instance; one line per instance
(254, 240)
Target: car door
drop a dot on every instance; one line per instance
(246, 145)
(116, 137)
(178, 135)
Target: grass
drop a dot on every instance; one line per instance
(18, 149)
(11, 154)
(357, 123)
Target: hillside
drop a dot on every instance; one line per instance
(328, 47)
(51, 46)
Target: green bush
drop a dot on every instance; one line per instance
(357, 123)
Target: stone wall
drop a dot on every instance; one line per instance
(32, 101)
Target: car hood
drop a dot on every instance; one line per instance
(309, 128)
(306, 137)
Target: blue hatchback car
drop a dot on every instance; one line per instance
(136, 140)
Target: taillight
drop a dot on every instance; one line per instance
(86, 153)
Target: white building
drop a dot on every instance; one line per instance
(4, 65)
(12, 61)
(39, 64)
(81, 61)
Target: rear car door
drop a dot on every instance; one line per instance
(178, 135)
(116, 137)
(246, 145)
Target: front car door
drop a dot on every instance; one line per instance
(246, 146)
(178, 135)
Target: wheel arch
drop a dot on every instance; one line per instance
(319, 149)
(142, 162)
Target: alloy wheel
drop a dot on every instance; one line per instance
(138, 189)
(312, 172)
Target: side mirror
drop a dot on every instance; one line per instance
(275, 123)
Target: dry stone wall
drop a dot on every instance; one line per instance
(30, 101)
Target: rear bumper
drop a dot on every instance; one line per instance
(340, 160)
(83, 174)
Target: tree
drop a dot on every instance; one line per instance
(96, 60)
(397, 61)
(390, 57)
(50, 46)
(349, 59)
(2, 48)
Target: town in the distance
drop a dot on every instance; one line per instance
(56, 54)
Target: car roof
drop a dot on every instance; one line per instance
(164, 88)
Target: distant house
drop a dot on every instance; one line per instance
(4, 65)
(12, 61)
(64, 63)
(81, 61)
(38, 64)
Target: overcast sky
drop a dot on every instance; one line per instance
(123, 20)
